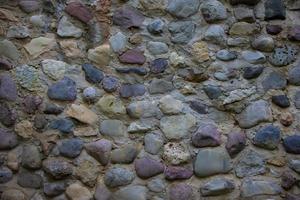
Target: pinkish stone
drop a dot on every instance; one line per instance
(180, 191)
(273, 29)
(236, 142)
(128, 17)
(100, 150)
(294, 33)
(32, 103)
(133, 56)
(79, 11)
(8, 88)
(147, 167)
(206, 136)
(177, 173)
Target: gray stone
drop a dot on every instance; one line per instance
(102, 193)
(70, 148)
(89, 94)
(8, 88)
(207, 135)
(100, 150)
(143, 109)
(267, 137)
(18, 32)
(213, 11)
(181, 191)
(112, 128)
(169, 105)
(118, 42)
(156, 185)
(118, 176)
(5, 174)
(8, 116)
(29, 180)
(226, 55)
(274, 80)
(139, 127)
(160, 86)
(8, 139)
(294, 75)
(249, 117)
(181, 31)
(238, 42)
(9, 50)
(250, 164)
(275, 9)
(283, 56)
(217, 187)
(297, 99)
(156, 26)
(212, 91)
(236, 142)
(55, 69)
(212, 161)
(294, 164)
(125, 154)
(157, 48)
(243, 13)
(57, 168)
(28, 77)
(63, 90)
(31, 157)
(110, 83)
(263, 43)
(253, 57)
(65, 126)
(13, 194)
(147, 167)
(183, 8)
(131, 192)
(132, 90)
(174, 130)
(254, 188)
(215, 34)
(66, 28)
(54, 188)
(153, 143)
(247, 2)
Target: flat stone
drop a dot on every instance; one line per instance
(281, 101)
(176, 153)
(215, 34)
(125, 154)
(13, 194)
(30, 180)
(52, 109)
(100, 55)
(110, 84)
(5, 175)
(157, 48)
(92, 74)
(139, 127)
(82, 114)
(274, 9)
(132, 90)
(31, 157)
(156, 26)
(194, 74)
(57, 168)
(133, 56)
(180, 191)
(70, 48)
(79, 11)
(253, 188)
(236, 142)
(238, 42)
(156, 185)
(76, 191)
(294, 164)
(181, 31)
(28, 77)
(54, 188)
(263, 43)
(283, 56)
(249, 117)
(216, 187)
(153, 143)
(226, 55)
(66, 28)
(206, 136)
(160, 86)
(111, 105)
(213, 11)
(242, 28)
(294, 75)
(64, 125)
(212, 91)
(9, 139)
(252, 72)
(128, 17)
(212, 161)
(169, 105)
(63, 90)
(100, 150)
(183, 8)
(294, 33)
(55, 69)
(174, 130)
(19, 32)
(118, 42)
(147, 167)
(273, 29)
(199, 107)
(8, 88)
(112, 128)
(243, 13)
(254, 57)
(70, 148)
(131, 192)
(142, 71)
(267, 137)
(118, 176)
(158, 65)
(40, 45)
(247, 2)
(177, 173)
(8, 116)
(9, 50)
(238, 95)
(291, 144)
(251, 164)
(274, 80)
(29, 6)
(86, 170)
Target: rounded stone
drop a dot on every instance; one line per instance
(92, 74)
(252, 72)
(176, 153)
(125, 154)
(236, 142)
(226, 55)
(70, 148)
(8, 116)
(157, 48)
(158, 65)
(177, 173)
(54, 188)
(131, 192)
(294, 75)
(63, 90)
(273, 29)
(8, 139)
(30, 180)
(13, 194)
(153, 143)
(117, 176)
(281, 101)
(100, 150)
(76, 191)
(5, 175)
(282, 56)
(110, 84)
(32, 103)
(65, 125)
(181, 31)
(268, 137)
(206, 136)
(31, 157)
(147, 167)
(132, 90)
(213, 11)
(254, 57)
(180, 191)
(291, 144)
(57, 168)
(128, 17)
(90, 94)
(8, 88)
(263, 43)
(216, 187)
(156, 26)
(183, 8)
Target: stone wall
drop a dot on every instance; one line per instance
(149, 99)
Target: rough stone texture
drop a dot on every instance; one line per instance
(251, 188)
(217, 187)
(267, 137)
(236, 142)
(147, 167)
(183, 9)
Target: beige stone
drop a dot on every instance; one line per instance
(111, 105)
(70, 48)
(24, 129)
(77, 192)
(169, 105)
(39, 45)
(82, 114)
(175, 59)
(200, 52)
(243, 28)
(100, 55)
(176, 153)
(85, 131)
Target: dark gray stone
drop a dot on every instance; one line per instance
(63, 125)
(5, 175)
(8, 116)
(54, 188)
(181, 31)
(156, 26)
(63, 90)
(53, 109)
(8, 88)
(274, 9)
(247, 2)
(132, 90)
(158, 65)
(199, 107)
(218, 186)
(291, 144)
(57, 168)
(70, 148)
(236, 142)
(212, 91)
(281, 101)
(147, 167)
(110, 84)
(274, 80)
(31, 157)
(8, 139)
(213, 11)
(252, 72)
(268, 137)
(160, 86)
(117, 176)
(297, 99)
(92, 74)
(183, 8)
(226, 55)
(30, 180)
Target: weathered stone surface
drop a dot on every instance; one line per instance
(183, 9)
(55, 69)
(226, 55)
(30, 180)
(100, 55)
(236, 142)
(158, 65)
(294, 33)
(147, 167)
(79, 11)
(252, 188)
(8, 116)
(132, 90)
(212, 91)
(217, 187)
(28, 77)
(13, 194)
(254, 57)
(157, 48)
(160, 86)
(116, 177)
(287, 180)
(213, 11)
(176, 153)
(125, 154)
(31, 157)
(57, 168)
(8, 88)
(250, 164)
(181, 31)
(283, 56)
(294, 164)
(70, 148)
(169, 105)
(273, 29)
(29, 6)
(135, 192)
(76, 191)
(281, 101)
(212, 161)
(180, 191)
(242, 28)
(243, 13)
(252, 72)
(66, 28)
(206, 136)
(63, 90)
(274, 9)
(153, 143)
(118, 42)
(267, 137)
(215, 34)
(249, 117)
(32, 103)
(92, 74)
(156, 26)
(263, 43)
(100, 150)
(274, 80)
(128, 17)
(54, 188)
(82, 114)
(18, 32)
(174, 130)
(40, 45)
(247, 2)
(9, 50)
(133, 56)
(111, 105)
(5, 175)
(177, 173)
(112, 128)
(63, 125)
(8, 139)
(5, 64)
(291, 144)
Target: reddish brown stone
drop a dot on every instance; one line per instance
(273, 29)
(128, 17)
(294, 33)
(79, 11)
(133, 56)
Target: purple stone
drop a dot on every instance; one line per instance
(29, 5)
(63, 90)
(273, 29)
(133, 56)
(128, 17)
(291, 144)
(236, 142)
(147, 167)
(180, 191)
(294, 33)
(206, 136)
(287, 180)
(79, 11)
(8, 116)
(8, 139)
(158, 65)
(110, 84)
(8, 88)
(132, 90)
(32, 103)
(177, 173)
(100, 150)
